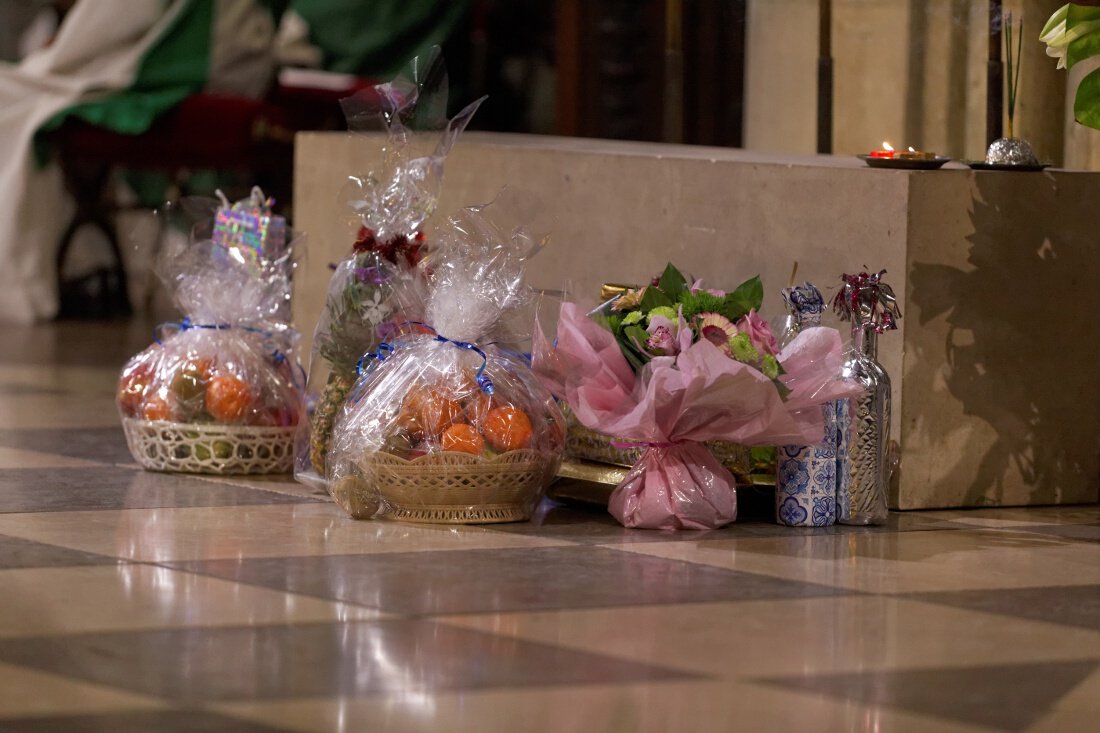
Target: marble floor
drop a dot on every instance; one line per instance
(134, 601)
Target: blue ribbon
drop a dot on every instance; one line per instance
(385, 349)
(277, 356)
(185, 325)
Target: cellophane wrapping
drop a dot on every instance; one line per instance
(691, 365)
(229, 367)
(447, 423)
(385, 209)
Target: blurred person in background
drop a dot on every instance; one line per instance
(119, 64)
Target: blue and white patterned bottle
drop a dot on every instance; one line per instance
(806, 475)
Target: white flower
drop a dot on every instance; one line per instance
(1061, 31)
(375, 311)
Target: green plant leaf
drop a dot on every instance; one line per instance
(1086, 105)
(748, 295)
(672, 282)
(652, 298)
(1083, 26)
(637, 335)
(632, 343)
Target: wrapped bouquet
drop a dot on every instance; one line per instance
(220, 391)
(672, 365)
(388, 207)
(445, 423)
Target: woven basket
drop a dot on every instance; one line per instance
(449, 487)
(589, 445)
(216, 449)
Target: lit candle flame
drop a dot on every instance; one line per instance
(887, 146)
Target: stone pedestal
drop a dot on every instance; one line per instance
(995, 390)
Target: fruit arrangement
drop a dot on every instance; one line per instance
(462, 418)
(422, 438)
(158, 385)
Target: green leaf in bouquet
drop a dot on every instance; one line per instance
(637, 336)
(672, 282)
(653, 298)
(632, 348)
(784, 390)
(748, 296)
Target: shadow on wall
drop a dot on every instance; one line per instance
(1021, 338)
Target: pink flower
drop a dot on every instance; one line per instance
(698, 285)
(759, 333)
(662, 342)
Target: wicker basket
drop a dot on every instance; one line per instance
(589, 445)
(216, 449)
(449, 487)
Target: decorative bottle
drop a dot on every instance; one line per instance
(805, 490)
(864, 426)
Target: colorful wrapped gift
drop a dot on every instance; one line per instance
(221, 390)
(674, 365)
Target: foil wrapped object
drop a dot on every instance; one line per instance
(1011, 151)
(872, 308)
(249, 228)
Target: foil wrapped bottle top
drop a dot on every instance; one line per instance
(1011, 151)
(867, 302)
(804, 302)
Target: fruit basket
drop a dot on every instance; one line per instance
(160, 445)
(449, 487)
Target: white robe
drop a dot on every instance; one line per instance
(97, 52)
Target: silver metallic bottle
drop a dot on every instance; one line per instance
(871, 307)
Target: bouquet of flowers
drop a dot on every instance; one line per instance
(444, 423)
(674, 364)
(220, 391)
(388, 207)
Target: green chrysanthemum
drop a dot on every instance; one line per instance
(770, 366)
(742, 349)
(632, 317)
(664, 310)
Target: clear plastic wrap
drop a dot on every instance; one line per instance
(221, 390)
(386, 209)
(446, 423)
(675, 365)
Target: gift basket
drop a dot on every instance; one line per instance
(387, 207)
(673, 365)
(221, 391)
(446, 423)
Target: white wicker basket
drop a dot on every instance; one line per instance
(216, 449)
(451, 487)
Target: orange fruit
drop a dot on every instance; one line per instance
(415, 399)
(478, 407)
(409, 421)
(438, 412)
(157, 407)
(507, 428)
(463, 438)
(132, 387)
(228, 398)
